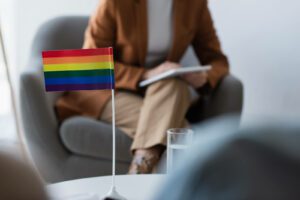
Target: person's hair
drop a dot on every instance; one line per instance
(19, 181)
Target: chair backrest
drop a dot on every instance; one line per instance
(38, 116)
(65, 32)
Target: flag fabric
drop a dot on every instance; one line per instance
(80, 69)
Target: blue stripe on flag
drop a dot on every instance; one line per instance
(80, 80)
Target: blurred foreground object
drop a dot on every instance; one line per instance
(258, 163)
(18, 181)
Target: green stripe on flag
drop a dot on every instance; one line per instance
(80, 73)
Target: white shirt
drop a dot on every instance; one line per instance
(160, 36)
(159, 31)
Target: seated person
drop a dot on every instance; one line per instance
(148, 37)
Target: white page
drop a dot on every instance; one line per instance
(174, 73)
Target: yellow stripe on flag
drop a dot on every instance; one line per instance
(81, 66)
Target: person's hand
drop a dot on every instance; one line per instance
(196, 80)
(160, 69)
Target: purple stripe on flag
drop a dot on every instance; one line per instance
(70, 87)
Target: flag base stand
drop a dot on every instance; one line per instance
(113, 195)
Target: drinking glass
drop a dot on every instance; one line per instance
(178, 140)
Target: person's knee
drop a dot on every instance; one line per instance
(171, 84)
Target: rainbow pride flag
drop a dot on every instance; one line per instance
(80, 69)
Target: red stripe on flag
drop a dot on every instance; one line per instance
(79, 52)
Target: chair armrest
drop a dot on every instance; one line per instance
(227, 98)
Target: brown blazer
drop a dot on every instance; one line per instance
(123, 25)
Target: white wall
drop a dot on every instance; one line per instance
(261, 38)
(21, 20)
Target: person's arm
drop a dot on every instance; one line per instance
(101, 32)
(208, 49)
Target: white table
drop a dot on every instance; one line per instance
(133, 187)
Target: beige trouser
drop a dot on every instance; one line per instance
(147, 119)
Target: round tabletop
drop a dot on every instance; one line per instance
(132, 187)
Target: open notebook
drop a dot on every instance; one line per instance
(173, 73)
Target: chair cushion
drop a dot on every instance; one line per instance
(88, 137)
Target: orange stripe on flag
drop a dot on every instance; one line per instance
(83, 59)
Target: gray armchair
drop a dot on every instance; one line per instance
(80, 146)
